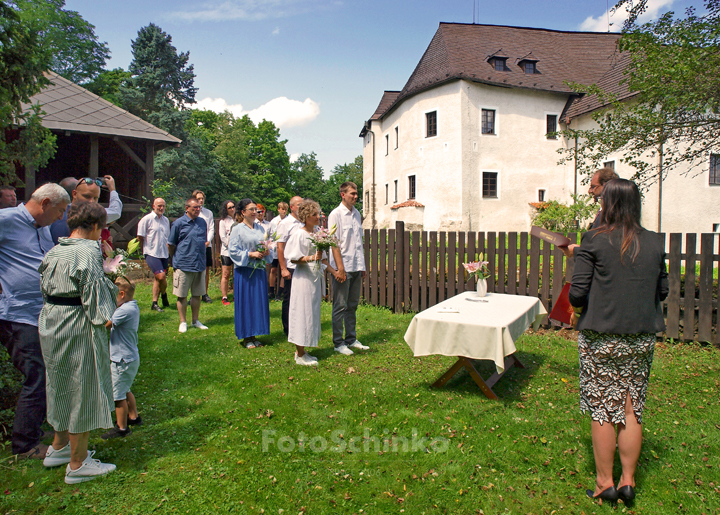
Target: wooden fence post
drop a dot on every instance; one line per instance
(399, 266)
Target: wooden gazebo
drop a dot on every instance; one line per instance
(96, 138)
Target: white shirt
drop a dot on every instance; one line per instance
(224, 229)
(114, 209)
(207, 215)
(350, 233)
(266, 226)
(273, 229)
(155, 231)
(285, 229)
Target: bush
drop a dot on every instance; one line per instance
(559, 217)
(10, 385)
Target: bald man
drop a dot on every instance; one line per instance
(87, 189)
(152, 233)
(285, 228)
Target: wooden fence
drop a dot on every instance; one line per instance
(411, 271)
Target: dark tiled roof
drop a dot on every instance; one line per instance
(70, 107)
(386, 101)
(461, 51)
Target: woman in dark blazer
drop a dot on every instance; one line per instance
(617, 288)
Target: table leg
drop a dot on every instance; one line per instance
(447, 375)
(484, 384)
(479, 380)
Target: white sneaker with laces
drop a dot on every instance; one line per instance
(199, 325)
(310, 356)
(89, 470)
(357, 345)
(183, 327)
(57, 457)
(305, 359)
(343, 349)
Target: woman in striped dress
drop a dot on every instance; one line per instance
(79, 300)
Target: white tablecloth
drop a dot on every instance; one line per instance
(481, 330)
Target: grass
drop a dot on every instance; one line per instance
(208, 406)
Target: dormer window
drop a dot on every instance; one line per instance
(528, 63)
(499, 63)
(529, 67)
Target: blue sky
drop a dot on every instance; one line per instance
(318, 68)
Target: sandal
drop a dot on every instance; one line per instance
(249, 344)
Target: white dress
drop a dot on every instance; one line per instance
(306, 292)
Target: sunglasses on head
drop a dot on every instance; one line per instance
(90, 180)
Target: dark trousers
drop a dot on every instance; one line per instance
(22, 342)
(286, 303)
(346, 297)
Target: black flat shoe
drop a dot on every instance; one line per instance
(610, 494)
(626, 493)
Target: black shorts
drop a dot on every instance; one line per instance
(226, 261)
(275, 263)
(208, 256)
(157, 265)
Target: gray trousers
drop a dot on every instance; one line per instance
(346, 297)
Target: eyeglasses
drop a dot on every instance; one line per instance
(250, 209)
(90, 180)
(231, 207)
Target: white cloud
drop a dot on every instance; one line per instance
(219, 105)
(285, 113)
(282, 111)
(600, 24)
(276, 31)
(252, 10)
(294, 157)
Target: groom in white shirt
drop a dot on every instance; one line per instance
(346, 295)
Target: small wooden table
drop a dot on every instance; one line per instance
(480, 329)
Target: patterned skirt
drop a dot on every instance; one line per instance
(613, 366)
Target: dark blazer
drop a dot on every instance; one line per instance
(619, 298)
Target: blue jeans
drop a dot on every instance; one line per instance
(22, 342)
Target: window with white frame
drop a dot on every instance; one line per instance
(551, 126)
(488, 121)
(490, 185)
(714, 169)
(541, 195)
(411, 187)
(431, 124)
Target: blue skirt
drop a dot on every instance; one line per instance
(252, 305)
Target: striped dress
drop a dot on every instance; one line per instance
(74, 340)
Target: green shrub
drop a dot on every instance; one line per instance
(558, 217)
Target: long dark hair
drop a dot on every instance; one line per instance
(224, 211)
(621, 210)
(240, 206)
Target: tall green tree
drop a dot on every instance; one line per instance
(308, 180)
(23, 59)
(77, 53)
(672, 68)
(352, 172)
(107, 84)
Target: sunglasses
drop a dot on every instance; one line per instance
(90, 180)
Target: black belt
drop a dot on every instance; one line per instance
(63, 301)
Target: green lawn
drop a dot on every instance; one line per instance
(339, 438)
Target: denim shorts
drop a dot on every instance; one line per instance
(123, 375)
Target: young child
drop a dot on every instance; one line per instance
(125, 359)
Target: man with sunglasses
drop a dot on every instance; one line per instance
(188, 235)
(87, 189)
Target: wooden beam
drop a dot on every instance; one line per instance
(29, 181)
(149, 168)
(94, 153)
(131, 153)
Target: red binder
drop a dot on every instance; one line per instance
(562, 311)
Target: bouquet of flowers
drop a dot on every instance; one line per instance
(325, 239)
(269, 243)
(478, 269)
(117, 263)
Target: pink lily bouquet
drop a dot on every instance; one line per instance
(117, 263)
(269, 243)
(477, 269)
(325, 239)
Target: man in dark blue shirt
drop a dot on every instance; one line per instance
(187, 250)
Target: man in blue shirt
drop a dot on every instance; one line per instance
(24, 240)
(188, 235)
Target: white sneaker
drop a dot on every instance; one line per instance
(199, 325)
(310, 356)
(357, 345)
(183, 327)
(57, 457)
(89, 470)
(344, 350)
(305, 359)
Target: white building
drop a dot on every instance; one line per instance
(465, 145)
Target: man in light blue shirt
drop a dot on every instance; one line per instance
(24, 240)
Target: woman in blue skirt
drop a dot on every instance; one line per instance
(252, 308)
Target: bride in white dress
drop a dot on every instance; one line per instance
(306, 293)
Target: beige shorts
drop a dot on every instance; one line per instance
(184, 282)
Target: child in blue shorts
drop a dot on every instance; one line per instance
(125, 359)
